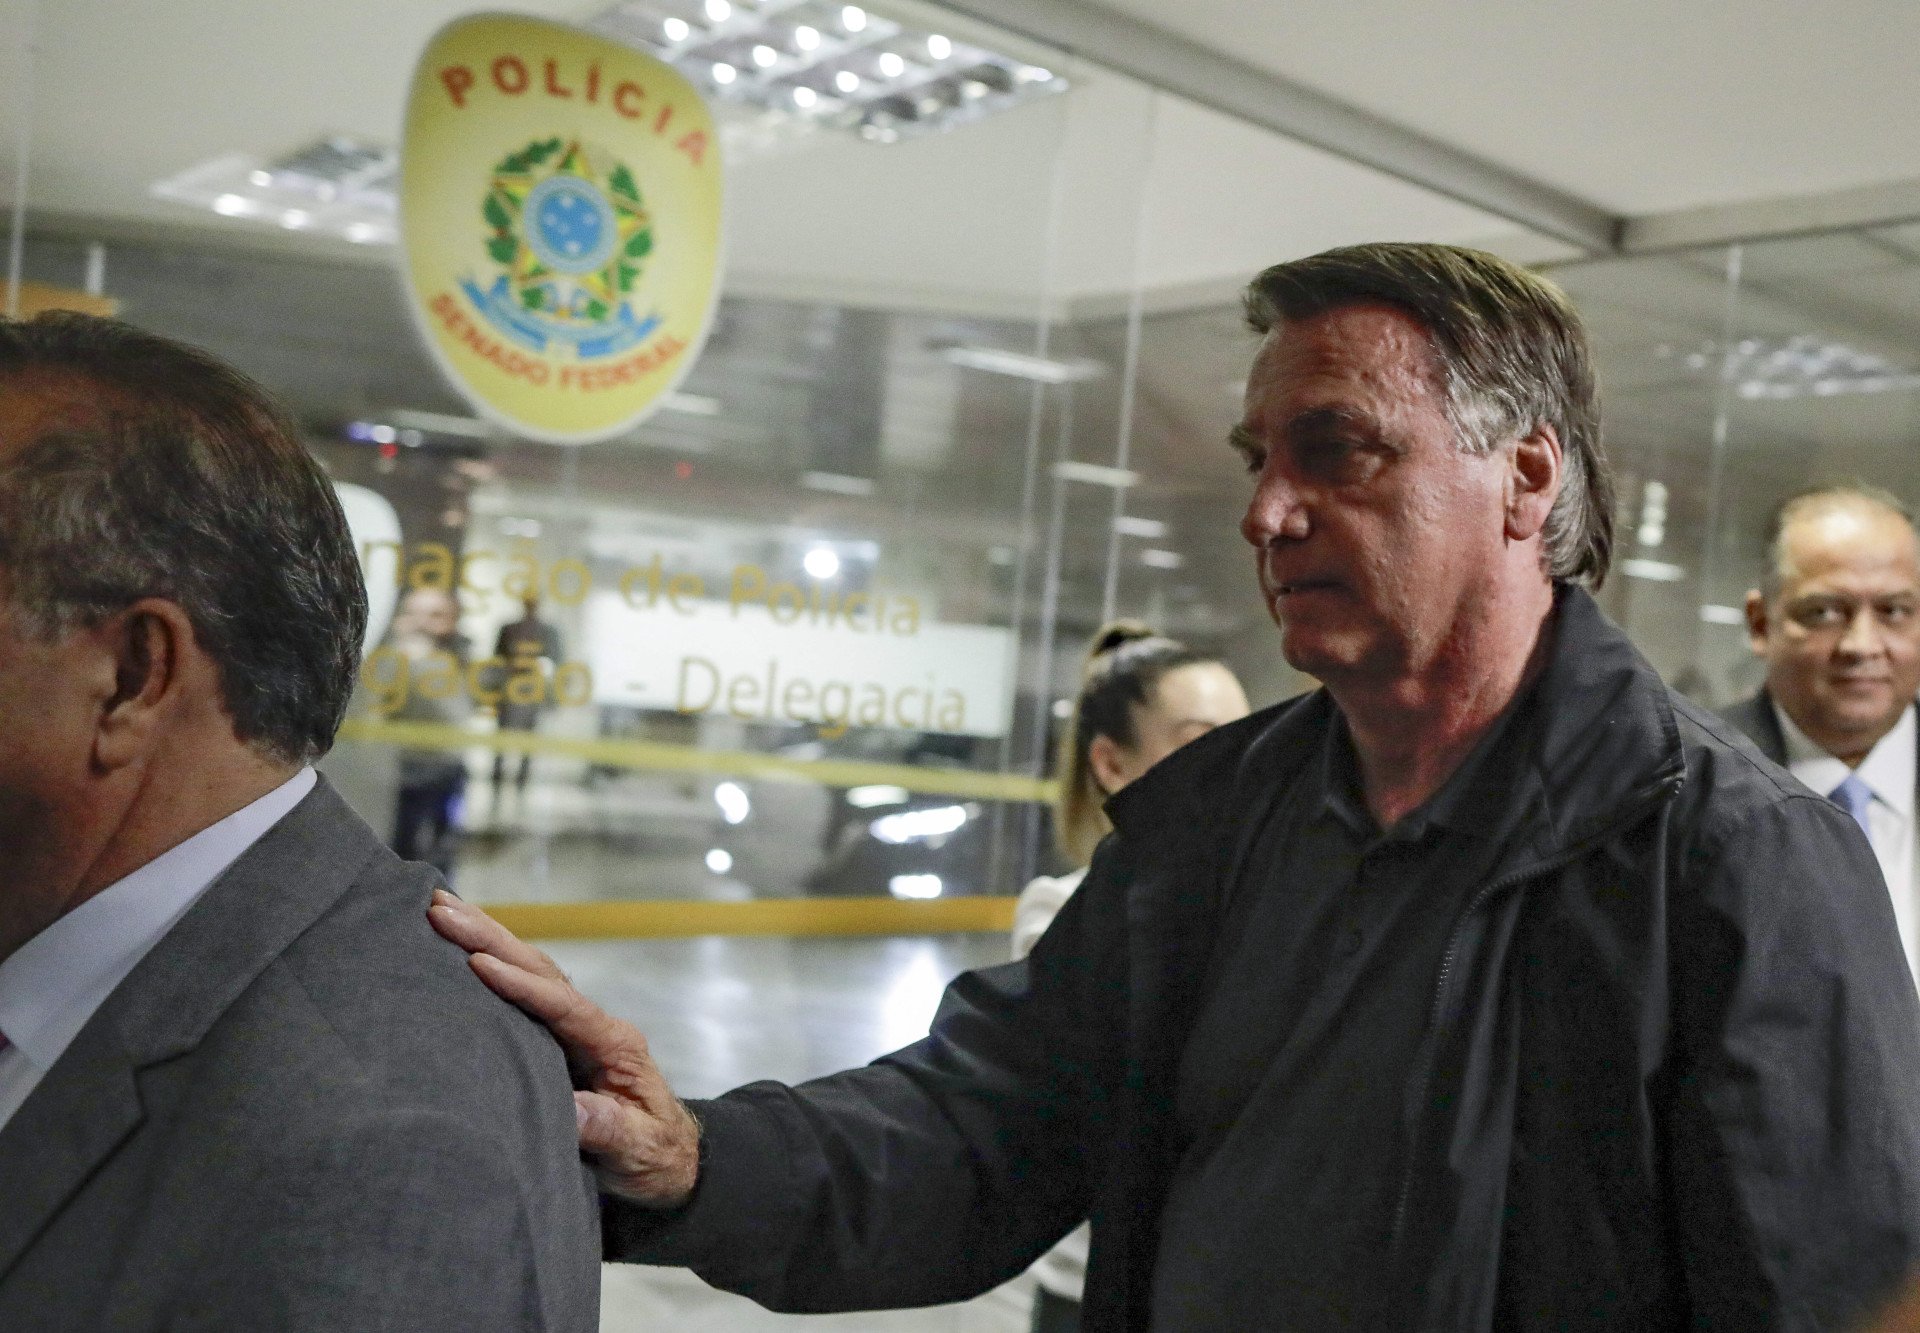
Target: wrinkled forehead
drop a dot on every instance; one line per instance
(1367, 343)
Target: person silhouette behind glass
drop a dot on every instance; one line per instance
(529, 648)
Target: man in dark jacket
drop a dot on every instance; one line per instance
(1491, 986)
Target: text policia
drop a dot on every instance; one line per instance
(760, 691)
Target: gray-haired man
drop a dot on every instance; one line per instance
(241, 1085)
(1490, 987)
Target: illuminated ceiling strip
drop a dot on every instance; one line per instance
(652, 756)
(1022, 365)
(1096, 474)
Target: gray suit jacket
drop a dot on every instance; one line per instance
(301, 1111)
(1754, 717)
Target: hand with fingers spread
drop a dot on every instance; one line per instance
(643, 1144)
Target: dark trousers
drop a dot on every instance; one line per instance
(1054, 1314)
(500, 772)
(423, 824)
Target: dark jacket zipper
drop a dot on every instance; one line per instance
(1666, 789)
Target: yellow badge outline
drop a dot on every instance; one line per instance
(569, 80)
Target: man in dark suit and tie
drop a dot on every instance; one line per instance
(1837, 620)
(242, 1084)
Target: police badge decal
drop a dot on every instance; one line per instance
(578, 295)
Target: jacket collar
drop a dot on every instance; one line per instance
(1601, 741)
(1606, 741)
(89, 1102)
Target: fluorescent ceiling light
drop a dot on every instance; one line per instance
(821, 562)
(1654, 571)
(876, 794)
(731, 797)
(1653, 515)
(1095, 475)
(919, 825)
(1131, 525)
(719, 861)
(843, 67)
(1805, 365)
(838, 483)
(915, 886)
(441, 423)
(1155, 558)
(1022, 365)
(336, 186)
(1714, 614)
(690, 404)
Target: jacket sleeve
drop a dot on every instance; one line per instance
(1794, 1151)
(932, 1174)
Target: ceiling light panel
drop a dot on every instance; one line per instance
(1020, 365)
(335, 186)
(830, 66)
(1803, 366)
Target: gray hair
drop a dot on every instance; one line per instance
(184, 481)
(1825, 495)
(1511, 355)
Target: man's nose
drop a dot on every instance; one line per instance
(1863, 637)
(1275, 513)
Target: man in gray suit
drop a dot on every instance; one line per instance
(242, 1084)
(1837, 621)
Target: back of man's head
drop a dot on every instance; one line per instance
(1511, 353)
(167, 474)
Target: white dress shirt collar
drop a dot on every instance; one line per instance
(1889, 770)
(55, 982)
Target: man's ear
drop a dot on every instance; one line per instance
(1757, 625)
(149, 642)
(1533, 481)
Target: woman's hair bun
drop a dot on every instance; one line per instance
(1117, 634)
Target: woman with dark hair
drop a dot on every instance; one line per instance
(1142, 696)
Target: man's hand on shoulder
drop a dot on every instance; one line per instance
(641, 1141)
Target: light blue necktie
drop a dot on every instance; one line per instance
(1853, 796)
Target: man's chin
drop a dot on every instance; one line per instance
(1863, 705)
(1319, 654)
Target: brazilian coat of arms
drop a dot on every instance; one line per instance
(568, 229)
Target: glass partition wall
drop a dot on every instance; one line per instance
(1733, 377)
(808, 635)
